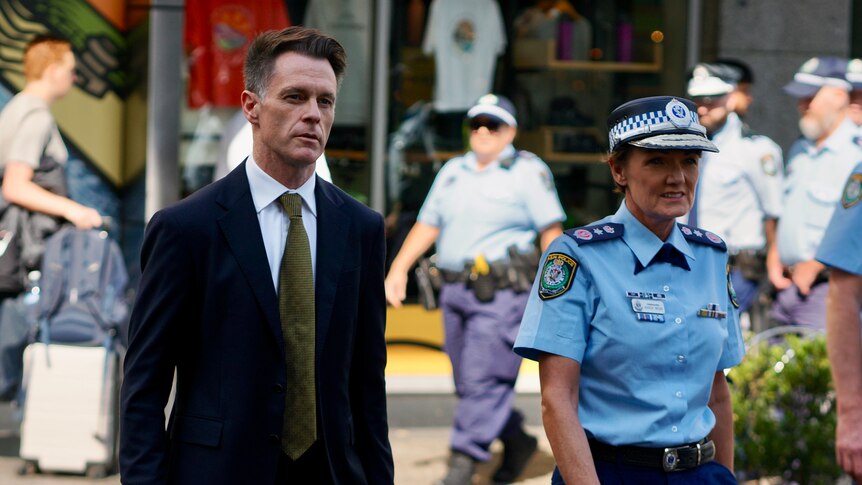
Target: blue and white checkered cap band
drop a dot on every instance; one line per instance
(657, 122)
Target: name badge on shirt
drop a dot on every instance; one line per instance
(648, 306)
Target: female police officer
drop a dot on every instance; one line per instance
(632, 320)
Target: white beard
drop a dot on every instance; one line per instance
(814, 129)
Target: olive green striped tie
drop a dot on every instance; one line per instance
(296, 311)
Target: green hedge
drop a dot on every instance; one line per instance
(784, 412)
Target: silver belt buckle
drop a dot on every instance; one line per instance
(670, 459)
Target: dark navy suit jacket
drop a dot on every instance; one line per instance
(207, 307)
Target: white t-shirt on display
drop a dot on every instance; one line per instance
(465, 36)
(349, 22)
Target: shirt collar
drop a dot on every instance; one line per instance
(836, 141)
(470, 158)
(731, 129)
(643, 242)
(265, 190)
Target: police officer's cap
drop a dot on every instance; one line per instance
(854, 73)
(713, 79)
(816, 73)
(658, 123)
(494, 106)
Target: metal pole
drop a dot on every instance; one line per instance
(164, 96)
(379, 102)
(692, 54)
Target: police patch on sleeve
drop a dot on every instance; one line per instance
(730, 291)
(767, 163)
(852, 191)
(557, 275)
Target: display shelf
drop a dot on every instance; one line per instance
(423, 157)
(541, 142)
(542, 55)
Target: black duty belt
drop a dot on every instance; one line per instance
(672, 459)
(450, 276)
(749, 254)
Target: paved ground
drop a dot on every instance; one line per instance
(420, 459)
(419, 437)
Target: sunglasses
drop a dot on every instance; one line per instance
(490, 123)
(708, 101)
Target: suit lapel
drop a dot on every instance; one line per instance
(333, 232)
(242, 231)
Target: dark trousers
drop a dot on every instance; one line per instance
(746, 290)
(711, 473)
(791, 308)
(479, 338)
(311, 467)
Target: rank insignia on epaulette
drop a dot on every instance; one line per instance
(852, 191)
(692, 233)
(598, 232)
(557, 275)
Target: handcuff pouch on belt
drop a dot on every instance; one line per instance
(516, 273)
(752, 264)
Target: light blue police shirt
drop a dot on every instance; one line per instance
(842, 244)
(740, 186)
(815, 178)
(486, 211)
(647, 358)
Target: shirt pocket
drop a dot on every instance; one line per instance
(728, 175)
(197, 431)
(497, 205)
(823, 200)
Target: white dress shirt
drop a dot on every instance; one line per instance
(273, 220)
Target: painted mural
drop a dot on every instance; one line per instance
(105, 144)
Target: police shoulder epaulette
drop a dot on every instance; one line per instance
(702, 236)
(507, 162)
(597, 232)
(747, 132)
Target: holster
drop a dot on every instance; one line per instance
(483, 286)
(522, 268)
(429, 281)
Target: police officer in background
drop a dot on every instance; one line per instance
(743, 95)
(739, 189)
(633, 320)
(484, 210)
(818, 165)
(841, 250)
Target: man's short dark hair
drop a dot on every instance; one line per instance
(302, 40)
(746, 75)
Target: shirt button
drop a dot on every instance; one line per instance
(278, 388)
(678, 320)
(674, 429)
(680, 358)
(678, 393)
(666, 288)
(275, 439)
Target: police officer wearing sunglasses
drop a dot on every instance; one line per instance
(485, 211)
(633, 320)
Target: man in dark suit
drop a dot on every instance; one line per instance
(221, 302)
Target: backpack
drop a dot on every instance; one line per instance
(83, 285)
